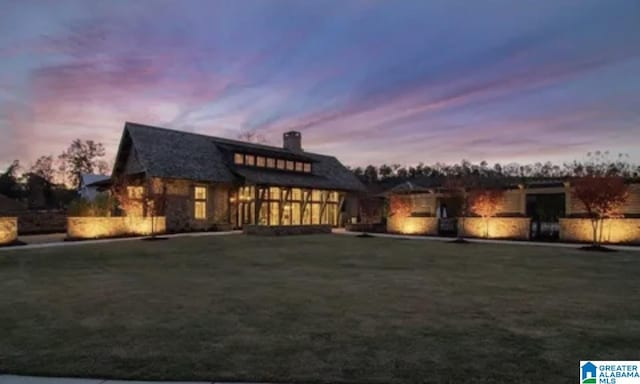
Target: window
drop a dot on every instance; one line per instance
(271, 162)
(260, 161)
(290, 165)
(280, 164)
(238, 158)
(135, 192)
(307, 167)
(200, 204)
(299, 166)
(250, 160)
(274, 193)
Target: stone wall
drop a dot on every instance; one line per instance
(180, 210)
(517, 228)
(103, 227)
(513, 202)
(32, 222)
(615, 231)
(284, 230)
(413, 225)
(8, 230)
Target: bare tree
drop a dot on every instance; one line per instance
(253, 137)
(80, 157)
(43, 167)
(155, 203)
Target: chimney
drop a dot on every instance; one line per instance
(292, 141)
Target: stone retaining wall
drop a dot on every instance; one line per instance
(614, 230)
(102, 227)
(284, 230)
(413, 225)
(8, 230)
(516, 228)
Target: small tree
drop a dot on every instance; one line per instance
(602, 197)
(399, 206)
(457, 189)
(485, 203)
(155, 202)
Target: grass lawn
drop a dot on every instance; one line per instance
(322, 308)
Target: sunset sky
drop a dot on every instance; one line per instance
(367, 81)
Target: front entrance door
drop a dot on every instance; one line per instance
(244, 214)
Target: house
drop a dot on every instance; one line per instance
(588, 371)
(208, 183)
(90, 185)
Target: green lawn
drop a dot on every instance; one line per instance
(322, 308)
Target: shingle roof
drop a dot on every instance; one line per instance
(184, 155)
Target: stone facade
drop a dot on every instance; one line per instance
(8, 230)
(180, 205)
(517, 228)
(413, 225)
(285, 230)
(614, 230)
(103, 227)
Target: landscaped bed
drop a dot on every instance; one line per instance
(322, 308)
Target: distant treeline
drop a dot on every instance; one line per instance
(596, 163)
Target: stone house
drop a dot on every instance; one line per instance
(212, 183)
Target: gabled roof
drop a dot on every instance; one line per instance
(175, 154)
(89, 178)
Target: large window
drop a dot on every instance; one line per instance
(200, 203)
(135, 192)
(238, 158)
(288, 206)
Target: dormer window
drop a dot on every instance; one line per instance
(271, 162)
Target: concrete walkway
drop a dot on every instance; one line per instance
(119, 239)
(15, 379)
(342, 231)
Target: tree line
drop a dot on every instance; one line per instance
(49, 180)
(598, 161)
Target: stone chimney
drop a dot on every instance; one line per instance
(292, 141)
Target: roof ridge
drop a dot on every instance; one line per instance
(223, 139)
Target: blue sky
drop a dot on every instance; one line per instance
(368, 81)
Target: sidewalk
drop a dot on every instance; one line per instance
(16, 379)
(342, 231)
(104, 241)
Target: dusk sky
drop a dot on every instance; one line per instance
(367, 81)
